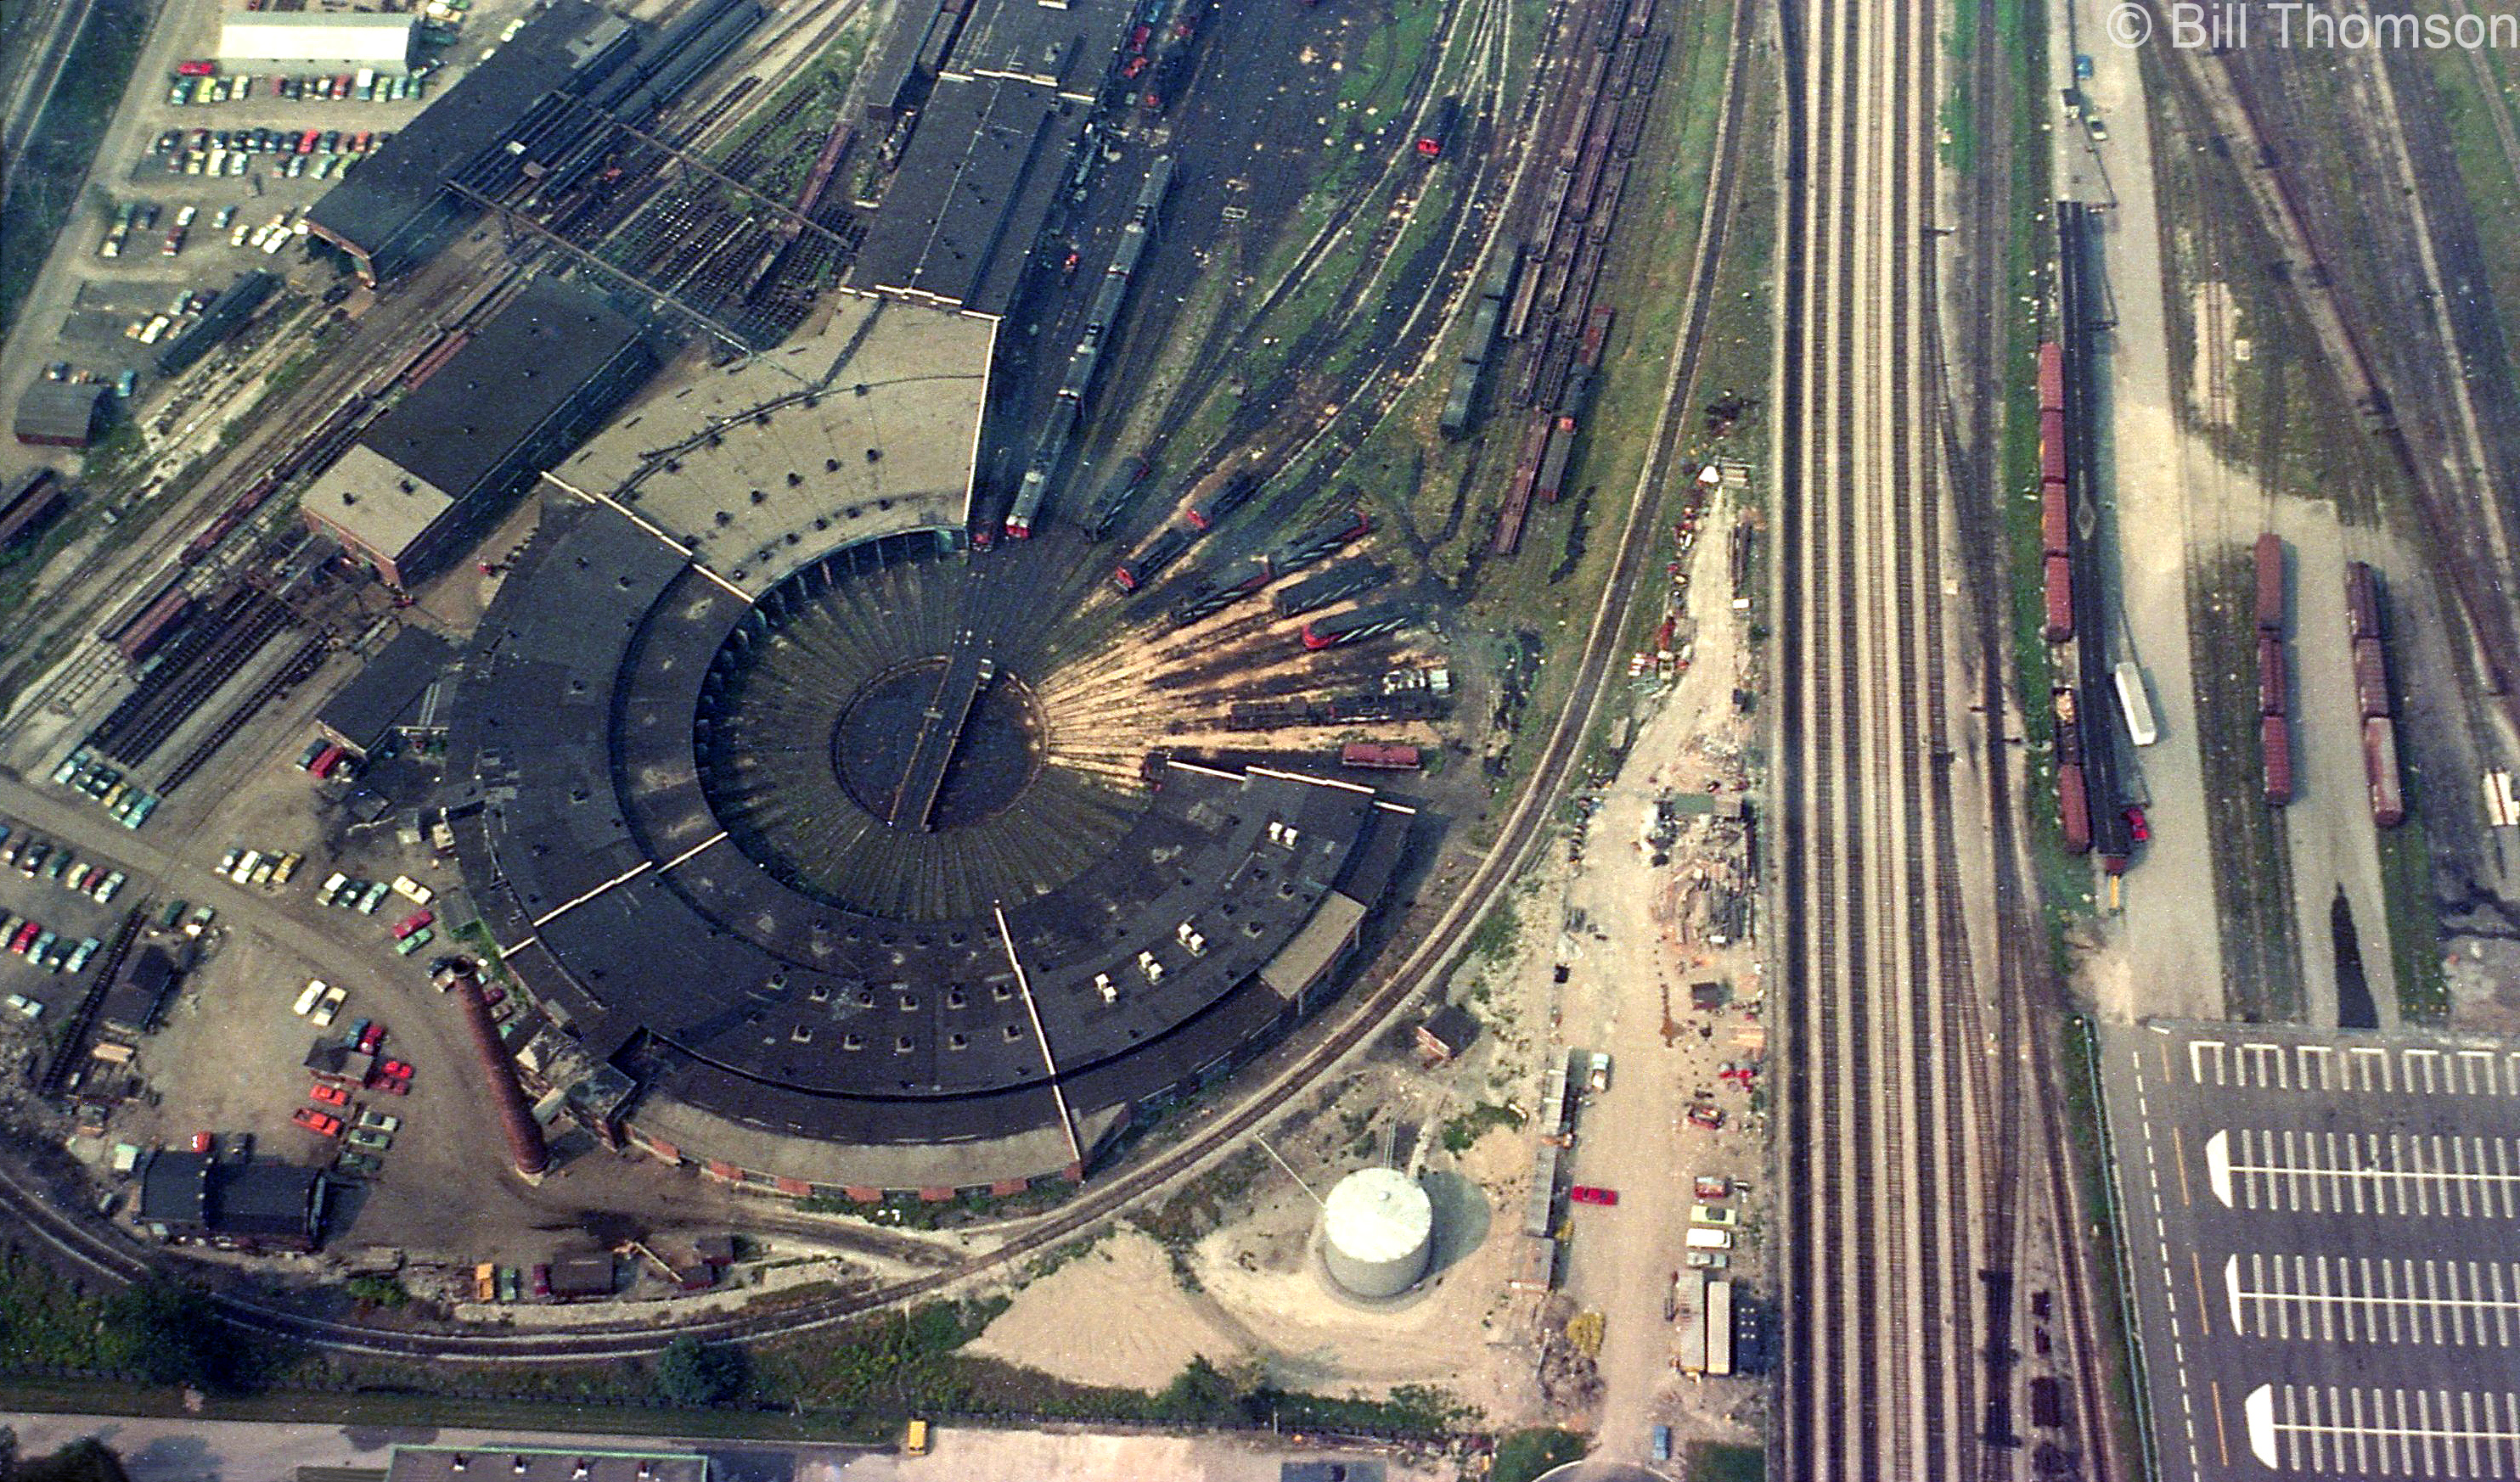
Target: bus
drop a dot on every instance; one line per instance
(2138, 707)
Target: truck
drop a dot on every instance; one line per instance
(1706, 1237)
(1597, 1076)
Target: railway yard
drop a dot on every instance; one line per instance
(718, 667)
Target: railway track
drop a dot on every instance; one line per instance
(1883, 1118)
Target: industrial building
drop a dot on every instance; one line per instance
(251, 1205)
(285, 41)
(787, 1032)
(537, 107)
(61, 414)
(431, 474)
(520, 1462)
(998, 95)
(396, 693)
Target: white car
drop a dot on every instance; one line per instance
(379, 1121)
(105, 888)
(307, 999)
(24, 1007)
(329, 1006)
(244, 869)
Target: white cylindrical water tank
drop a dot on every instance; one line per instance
(1377, 1233)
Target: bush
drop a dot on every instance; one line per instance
(168, 1332)
(82, 1460)
(1526, 1454)
(691, 1372)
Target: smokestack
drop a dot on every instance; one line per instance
(524, 1138)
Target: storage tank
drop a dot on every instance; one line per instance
(1377, 1233)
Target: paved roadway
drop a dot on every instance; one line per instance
(1881, 1167)
(2323, 1236)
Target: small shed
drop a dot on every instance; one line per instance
(61, 414)
(582, 1276)
(1447, 1032)
(387, 694)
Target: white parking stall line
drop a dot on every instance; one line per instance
(2425, 1175)
(2371, 1066)
(2316, 1061)
(2423, 1068)
(2205, 1062)
(2371, 1431)
(2450, 1304)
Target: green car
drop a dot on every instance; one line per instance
(360, 1165)
(370, 1139)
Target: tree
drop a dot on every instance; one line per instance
(693, 1373)
(169, 1332)
(82, 1460)
(1202, 1394)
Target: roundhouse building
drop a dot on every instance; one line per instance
(714, 841)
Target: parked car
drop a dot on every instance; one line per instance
(24, 1007)
(370, 1139)
(330, 1096)
(105, 888)
(317, 1122)
(359, 1165)
(1586, 1194)
(383, 1121)
(329, 1006)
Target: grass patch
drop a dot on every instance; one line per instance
(1467, 1128)
(2414, 919)
(1717, 1462)
(1526, 1454)
(62, 144)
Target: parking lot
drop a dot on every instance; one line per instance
(216, 171)
(2325, 1237)
(58, 907)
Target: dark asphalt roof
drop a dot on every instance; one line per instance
(952, 202)
(524, 367)
(59, 411)
(369, 705)
(776, 1008)
(403, 179)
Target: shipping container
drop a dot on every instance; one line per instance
(2060, 598)
(1380, 756)
(2361, 601)
(2370, 677)
(2052, 447)
(2074, 807)
(2271, 583)
(2051, 377)
(2380, 770)
(2055, 524)
(2272, 684)
(2274, 756)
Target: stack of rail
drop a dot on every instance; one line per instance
(2274, 711)
(2371, 696)
(185, 660)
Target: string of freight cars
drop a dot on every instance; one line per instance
(1539, 295)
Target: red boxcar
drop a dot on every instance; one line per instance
(2055, 524)
(2380, 768)
(2060, 598)
(2274, 754)
(1380, 756)
(2271, 583)
(2361, 601)
(2052, 446)
(2051, 377)
(2074, 807)
(143, 637)
(2370, 677)
(2272, 684)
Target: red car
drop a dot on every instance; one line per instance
(316, 1122)
(395, 1069)
(196, 68)
(494, 995)
(371, 1038)
(202, 1142)
(25, 939)
(385, 1085)
(542, 1280)
(2137, 827)
(413, 923)
(330, 1096)
(1586, 1194)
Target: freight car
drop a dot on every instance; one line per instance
(2370, 677)
(1336, 584)
(2074, 807)
(2051, 377)
(2052, 447)
(1380, 756)
(2273, 682)
(2274, 758)
(1167, 548)
(1358, 626)
(2271, 583)
(2361, 601)
(1553, 461)
(2058, 582)
(2055, 526)
(2380, 771)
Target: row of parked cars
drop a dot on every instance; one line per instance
(35, 856)
(200, 82)
(124, 801)
(253, 867)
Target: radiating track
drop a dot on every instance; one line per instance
(1881, 1116)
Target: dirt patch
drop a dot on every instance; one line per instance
(1126, 1273)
